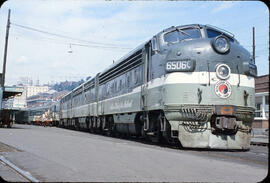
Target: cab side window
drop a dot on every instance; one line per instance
(154, 43)
(154, 46)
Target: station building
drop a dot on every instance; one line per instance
(261, 119)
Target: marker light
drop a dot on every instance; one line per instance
(223, 71)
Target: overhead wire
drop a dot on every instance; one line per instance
(95, 44)
(55, 41)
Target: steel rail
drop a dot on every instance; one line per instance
(26, 175)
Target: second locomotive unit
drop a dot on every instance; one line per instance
(193, 84)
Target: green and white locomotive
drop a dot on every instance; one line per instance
(193, 84)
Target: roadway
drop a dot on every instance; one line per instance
(51, 154)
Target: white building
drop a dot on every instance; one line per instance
(33, 90)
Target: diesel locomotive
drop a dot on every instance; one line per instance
(193, 84)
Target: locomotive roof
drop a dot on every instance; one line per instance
(181, 26)
(111, 66)
(141, 46)
(199, 25)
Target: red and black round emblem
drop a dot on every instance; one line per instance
(223, 89)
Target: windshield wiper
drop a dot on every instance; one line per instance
(183, 32)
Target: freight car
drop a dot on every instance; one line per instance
(21, 116)
(193, 84)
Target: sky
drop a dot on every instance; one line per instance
(100, 32)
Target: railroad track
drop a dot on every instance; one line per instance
(261, 140)
(259, 143)
(25, 175)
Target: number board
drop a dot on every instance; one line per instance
(183, 65)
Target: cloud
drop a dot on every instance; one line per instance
(22, 60)
(223, 6)
(122, 23)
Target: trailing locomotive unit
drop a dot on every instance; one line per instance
(192, 83)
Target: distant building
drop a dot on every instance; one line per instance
(17, 102)
(38, 100)
(261, 102)
(21, 100)
(44, 99)
(33, 90)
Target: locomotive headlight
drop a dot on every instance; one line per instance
(223, 71)
(221, 44)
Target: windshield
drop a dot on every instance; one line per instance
(182, 34)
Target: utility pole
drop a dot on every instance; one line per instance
(5, 52)
(253, 46)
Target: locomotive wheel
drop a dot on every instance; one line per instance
(91, 125)
(139, 125)
(143, 133)
(104, 125)
(98, 124)
(87, 124)
(156, 138)
(110, 127)
(166, 135)
(77, 125)
(10, 124)
(115, 133)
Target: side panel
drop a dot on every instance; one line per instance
(129, 102)
(81, 111)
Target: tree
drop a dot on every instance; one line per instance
(67, 85)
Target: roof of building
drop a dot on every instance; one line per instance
(10, 91)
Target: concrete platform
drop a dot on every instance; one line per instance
(60, 155)
(260, 135)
